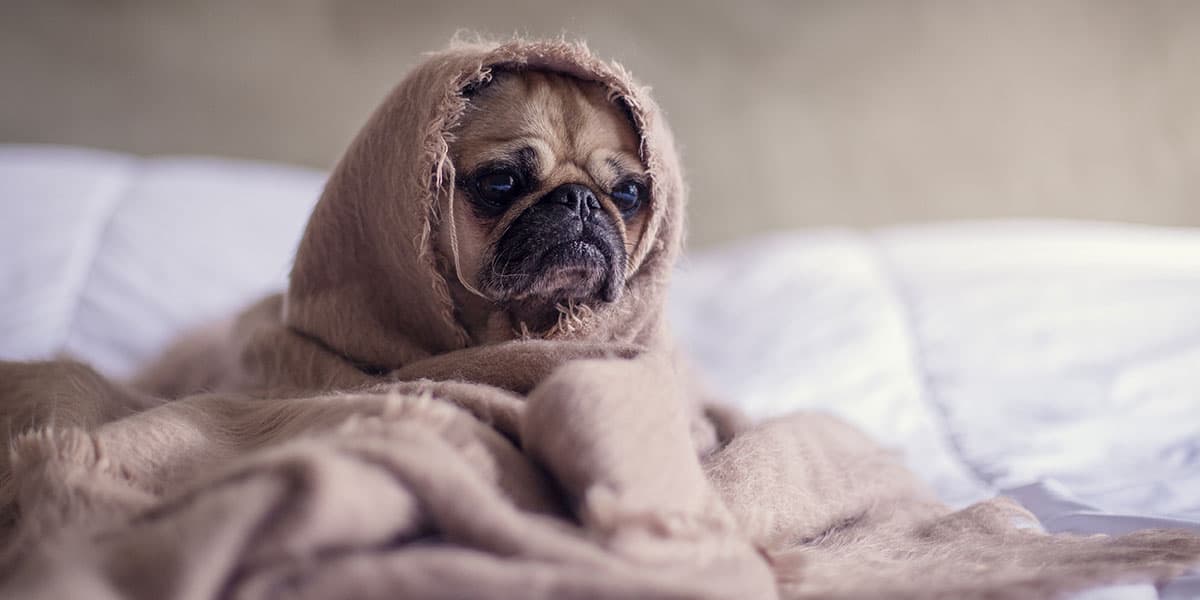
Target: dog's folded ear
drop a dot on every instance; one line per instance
(472, 88)
(369, 280)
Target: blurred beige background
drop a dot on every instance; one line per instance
(789, 113)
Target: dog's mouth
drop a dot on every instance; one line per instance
(569, 271)
(574, 254)
(574, 270)
(533, 262)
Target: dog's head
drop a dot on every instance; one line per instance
(551, 195)
(493, 186)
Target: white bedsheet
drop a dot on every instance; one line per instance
(1058, 363)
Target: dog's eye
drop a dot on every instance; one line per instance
(497, 184)
(628, 197)
(499, 187)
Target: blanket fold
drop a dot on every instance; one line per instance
(346, 439)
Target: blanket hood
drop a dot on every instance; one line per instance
(368, 280)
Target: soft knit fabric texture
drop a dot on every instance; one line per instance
(346, 440)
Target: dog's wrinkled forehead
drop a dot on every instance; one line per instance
(561, 128)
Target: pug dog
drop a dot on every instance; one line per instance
(550, 198)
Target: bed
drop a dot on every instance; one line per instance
(1054, 362)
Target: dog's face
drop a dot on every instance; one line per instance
(555, 193)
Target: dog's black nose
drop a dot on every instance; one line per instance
(579, 198)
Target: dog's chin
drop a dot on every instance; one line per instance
(576, 270)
